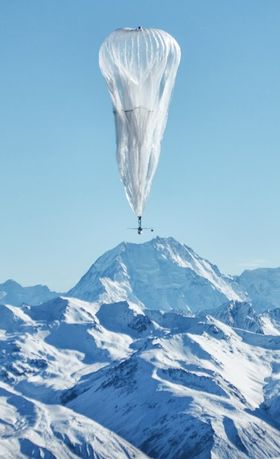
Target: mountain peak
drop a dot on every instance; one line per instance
(11, 292)
(263, 287)
(159, 274)
(10, 283)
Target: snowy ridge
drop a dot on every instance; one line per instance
(237, 315)
(188, 382)
(185, 257)
(160, 274)
(13, 293)
(162, 362)
(144, 378)
(270, 321)
(263, 287)
(32, 429)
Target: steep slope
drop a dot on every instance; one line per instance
(262, 286)
(13, 293)
(13, 319)
(168, 358)
(55, 344)
(171, 385)
(191, 394)
(159, 274)
(32, 429)
(270, 321)
(237, 315)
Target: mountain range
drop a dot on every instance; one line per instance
(159, 274)
(153, 353)
(11, 292)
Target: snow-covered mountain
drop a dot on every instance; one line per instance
(167, 358)
(159, 274)
(262, 286)
(30, 429)
(238, 315)
(89, 380)
(13, 293)
(190, 394)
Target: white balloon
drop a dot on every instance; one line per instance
(139, 66)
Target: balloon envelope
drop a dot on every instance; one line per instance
(139, 66)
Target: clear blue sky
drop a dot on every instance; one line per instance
(217, 187)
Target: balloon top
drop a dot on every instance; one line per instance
(158, 36)
(131, 29)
